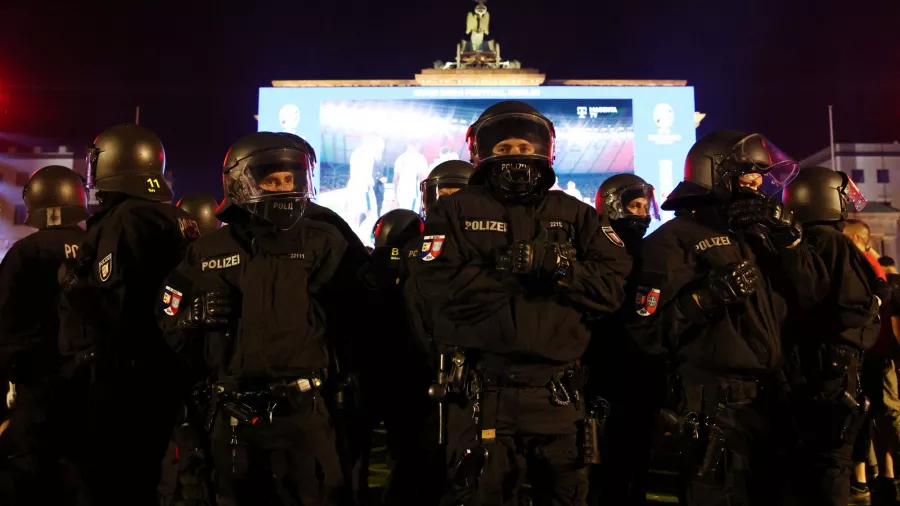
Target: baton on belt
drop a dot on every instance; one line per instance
(438, 392)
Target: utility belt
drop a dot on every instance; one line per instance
(463, 379)
(253, 401)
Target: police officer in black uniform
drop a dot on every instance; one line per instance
(202, 208)
(445, 179)
(623, 387)
(830, 325)
(394, 233)
(405, 407)
(702, 299)
(248, 299)
(412, 425)
(117, 358)
(56, 201)
(187, 467)
(512, 271)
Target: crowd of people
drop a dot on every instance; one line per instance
(521, 336)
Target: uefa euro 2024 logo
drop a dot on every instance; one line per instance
(664, 117)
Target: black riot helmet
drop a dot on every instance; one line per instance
(716, 163)
(819, 194)
(128, 159)
(396, 228)
(613, 199)
(444, 179)
(512, 145)
(55, 196)
(202, 208)
(269, 175)
(392, 232)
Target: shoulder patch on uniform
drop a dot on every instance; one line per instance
(432, 246)
(485, 226)
(712, 242)
(105, 266)
(171, 300)
(646, 300)
(368, 276)
(612, 236)
(220, 262)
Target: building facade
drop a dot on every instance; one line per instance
(17, 163)
(875, 168)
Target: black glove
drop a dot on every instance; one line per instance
(209, 311)
(544, 260)
(727, 285)
(768, 212)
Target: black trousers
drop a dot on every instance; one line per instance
(186, 469)
(634, 387)
(746, 471)
(532, 440)
(119, 428)
(290, 460)
(417, 473)
(829, 429)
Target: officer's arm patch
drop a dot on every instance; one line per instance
(171, 300)
(646, 300)
(612, 236)
(432, 246)
(104, 267)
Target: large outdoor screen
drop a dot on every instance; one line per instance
(375, 145)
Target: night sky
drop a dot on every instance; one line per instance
(68, 69)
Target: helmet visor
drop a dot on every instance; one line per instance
(756, 154)
(92, 153)
(854, 195)
(513, 135)
(433, 190)
(639, 200)
(285, 173)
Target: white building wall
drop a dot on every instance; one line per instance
(869, 159)
(882, 232)
(16, 167)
